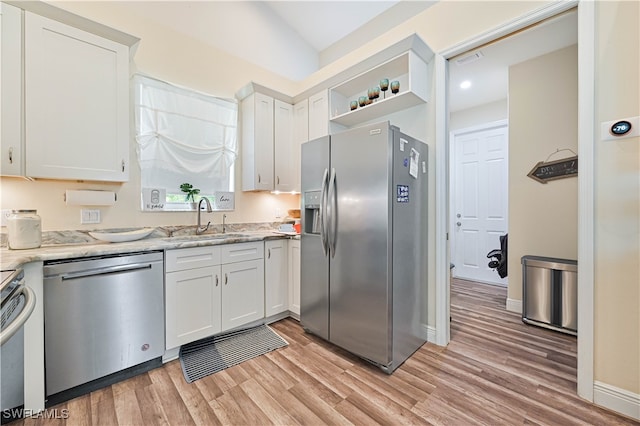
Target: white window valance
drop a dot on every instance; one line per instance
(184, 136)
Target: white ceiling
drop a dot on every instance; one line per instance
(489, 75)
(296, 38)
(322, 23)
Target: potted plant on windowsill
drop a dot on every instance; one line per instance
(191, 193)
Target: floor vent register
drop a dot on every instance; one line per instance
(211, 355)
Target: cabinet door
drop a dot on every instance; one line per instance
(242, 293)
(276, 291)
(192, 299)
(294, 276)
(76, 103)
(319, 115)
(284, 155)
(300, 136)
(11, 88)
(257, 143)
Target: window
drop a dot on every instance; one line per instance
(182, 137)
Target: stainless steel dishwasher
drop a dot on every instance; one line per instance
(103, 315)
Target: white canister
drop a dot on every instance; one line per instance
(25, 229)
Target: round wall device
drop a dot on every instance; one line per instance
(620, 128)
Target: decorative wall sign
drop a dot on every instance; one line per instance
(552, 170)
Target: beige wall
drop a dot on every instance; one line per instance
(170, 56)
(543, 117)
(617, 326)
(487, 113)
(617, 197)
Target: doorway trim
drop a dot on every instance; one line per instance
(586, 145)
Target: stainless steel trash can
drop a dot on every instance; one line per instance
(550, 293)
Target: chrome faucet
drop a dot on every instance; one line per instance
(200, 229)
(224, 217)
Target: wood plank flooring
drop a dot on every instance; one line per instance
(495, 371)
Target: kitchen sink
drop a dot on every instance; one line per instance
(204, 237)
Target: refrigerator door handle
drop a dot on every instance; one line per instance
(323, 212)
(332, 214)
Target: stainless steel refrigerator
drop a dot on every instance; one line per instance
(364, 242)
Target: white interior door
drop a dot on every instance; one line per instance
(480, 185)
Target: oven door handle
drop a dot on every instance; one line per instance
(104, 271)
(29, 303)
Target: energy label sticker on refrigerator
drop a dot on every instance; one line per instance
(413, 166)
(402, 193)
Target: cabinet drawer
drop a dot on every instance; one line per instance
(190, 258)
(232, 253)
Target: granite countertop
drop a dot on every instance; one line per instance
(84, 246)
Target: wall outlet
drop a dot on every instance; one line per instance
(4, 217)
(89, 216)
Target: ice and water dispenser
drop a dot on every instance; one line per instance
(312, 200)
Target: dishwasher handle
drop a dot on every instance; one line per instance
(106, 271)
(29, 303)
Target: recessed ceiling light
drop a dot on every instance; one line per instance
(465, 84)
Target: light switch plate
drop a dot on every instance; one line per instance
(89, 216)
(607, 135)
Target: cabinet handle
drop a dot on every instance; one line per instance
(11, 155)
(278, 178)
(258, 177)
(217, 280)
(123, 164)
(268, 253)
(226, 279)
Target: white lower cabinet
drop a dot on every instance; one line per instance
(212, 289)
(294, 276)
(192, 305)
(242, 293)
(276, 277)
(192, 294)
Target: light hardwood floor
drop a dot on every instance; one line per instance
(496, 370)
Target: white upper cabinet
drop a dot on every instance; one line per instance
(11, 140)
(300, 136)
(284, 157)
(319, 115)
(269, 153)
(76, 103)
(257, 142)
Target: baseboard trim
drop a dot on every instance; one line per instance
(514, 305)
(429, 333)
(619, 400)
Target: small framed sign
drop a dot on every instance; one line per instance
(546, 171)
